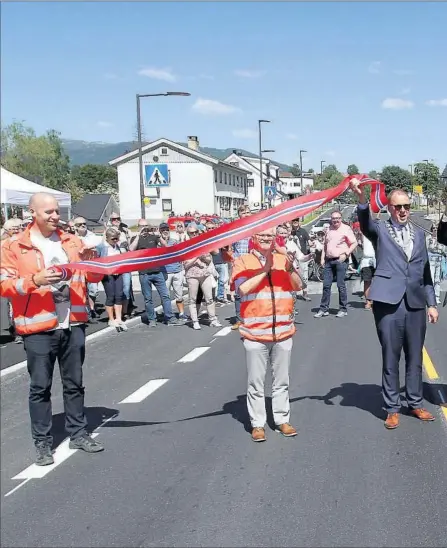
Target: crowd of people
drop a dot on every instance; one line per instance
(263, 275)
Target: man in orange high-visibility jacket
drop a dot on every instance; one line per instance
(49, 308)
(265, 280)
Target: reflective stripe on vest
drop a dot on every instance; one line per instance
(38, 318)
(266, 319)
(19, 286)
(76, 309)
(279, 329)
(266, 295)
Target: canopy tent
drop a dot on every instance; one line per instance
(16, 190)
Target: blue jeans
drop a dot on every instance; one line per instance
(237, 306)
(158, 280)
(334, 270)
(222, 270)
(127, 283)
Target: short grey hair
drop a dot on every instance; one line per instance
(112, 232)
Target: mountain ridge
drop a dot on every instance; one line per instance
(96, 152)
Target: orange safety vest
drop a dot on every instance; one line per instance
(266, 312)
(33, 307)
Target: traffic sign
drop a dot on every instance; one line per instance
(417, 189)
(270, 192)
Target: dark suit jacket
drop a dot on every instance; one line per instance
(442, 233)
(395, 275)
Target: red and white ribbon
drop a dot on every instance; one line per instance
(229, 233)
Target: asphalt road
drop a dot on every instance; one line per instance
(180, 468)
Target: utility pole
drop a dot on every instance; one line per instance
(260, 122)
(140, 144)
(301, 169)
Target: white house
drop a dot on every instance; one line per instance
(180, 179)
(270, 178)
(291, 185)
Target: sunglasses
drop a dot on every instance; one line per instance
(81, 224)
(399, 207)
(115, 218)
(114, 239)
(193, 232)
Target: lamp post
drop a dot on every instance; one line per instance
(301, 168)
(140, 152)
(267, 151)
(321, 166)
(260, 122)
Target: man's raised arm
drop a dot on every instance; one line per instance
(367, 225)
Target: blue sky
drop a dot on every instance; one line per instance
(362, 83)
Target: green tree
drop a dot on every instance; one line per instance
(394, 177)
(427, 175)
(37, 158)
(374, 174)
(353, 170)
(295, 170)
(329, 178)
(90, 176)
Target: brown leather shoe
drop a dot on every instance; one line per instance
(422, 414)
(258, 434)
(392, 421)
(235, 326)
(286, 430)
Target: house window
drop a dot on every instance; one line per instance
(164, 151)
(225, 178)
(234, 180)
(250, 182)
(166, 205)
(220, 176)
(215, 176)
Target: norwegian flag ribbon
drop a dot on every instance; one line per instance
(229, 233)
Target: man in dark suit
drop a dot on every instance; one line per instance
(401, 289)
(442, 228)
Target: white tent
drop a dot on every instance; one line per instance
(16, 190)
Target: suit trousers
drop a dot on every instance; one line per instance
(259, 356)
(400, 327)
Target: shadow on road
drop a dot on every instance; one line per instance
(367, 397)
(435, 394)
(95, 417)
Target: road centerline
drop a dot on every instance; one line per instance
(194, 354)
(144, 391)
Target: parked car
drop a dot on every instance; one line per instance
(319, 225)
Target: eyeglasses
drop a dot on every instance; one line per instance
(399, 207)
(115, 218)
(114, 239)
(81, 224)
(266, 237)
(193, 232)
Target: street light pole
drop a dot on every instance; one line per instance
(321, 166)
(140, 145)
(260, 158)
(301, 168)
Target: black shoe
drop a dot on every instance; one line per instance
(44, 456)
(86, 443)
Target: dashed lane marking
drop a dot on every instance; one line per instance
(144, 391)
(223, 332)
(194, 354)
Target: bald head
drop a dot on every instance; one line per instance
(397, 193)
(399, 205)
(45, 211)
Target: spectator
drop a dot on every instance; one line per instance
(174, 271)
(148, 239)
(239, 248)
(113, 283)
(199, 274)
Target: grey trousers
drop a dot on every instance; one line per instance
(258, 356)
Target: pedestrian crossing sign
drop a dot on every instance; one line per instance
(270, 192)
(157, 175)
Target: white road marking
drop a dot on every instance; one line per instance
(144, 391)
(194, 354)
(21, 365)
(62, 453)
(17, 487)
(223, 332)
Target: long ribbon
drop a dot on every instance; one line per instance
(229, 233)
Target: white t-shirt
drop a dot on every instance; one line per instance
(54, 254)
(90, 239)
(112, 250)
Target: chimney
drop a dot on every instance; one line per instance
(193, 142)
